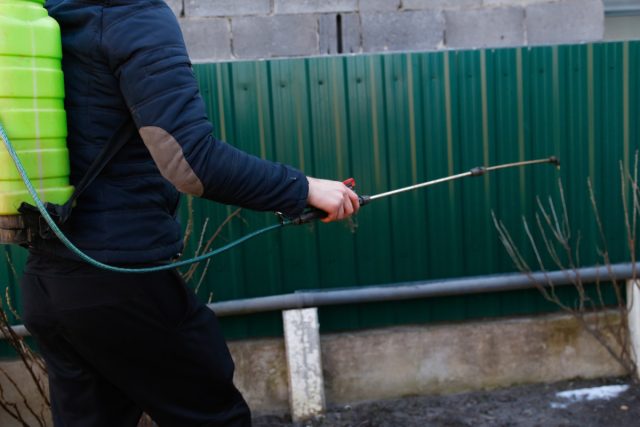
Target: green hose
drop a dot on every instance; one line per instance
(54, 227)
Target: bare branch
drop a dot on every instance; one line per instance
(205, 248)
(555, 232)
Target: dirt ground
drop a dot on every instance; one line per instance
(524, 406)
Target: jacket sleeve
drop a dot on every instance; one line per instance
(146, 53)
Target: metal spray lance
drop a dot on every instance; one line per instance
(314, 214)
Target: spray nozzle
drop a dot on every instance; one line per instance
(555, 161)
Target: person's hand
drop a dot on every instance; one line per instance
(333, 197)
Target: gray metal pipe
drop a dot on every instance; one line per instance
(415, 290)
(621, 8)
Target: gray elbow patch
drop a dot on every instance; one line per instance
(169, 157)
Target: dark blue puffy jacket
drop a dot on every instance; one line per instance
(125, 60)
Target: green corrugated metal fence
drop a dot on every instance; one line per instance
(394, 120)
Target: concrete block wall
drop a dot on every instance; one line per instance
(221, 30)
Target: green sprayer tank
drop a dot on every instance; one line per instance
(31, 107)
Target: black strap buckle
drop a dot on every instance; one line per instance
(35, 224)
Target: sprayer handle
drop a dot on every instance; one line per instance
(312, 214)
(309, 215)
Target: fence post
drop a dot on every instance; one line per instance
(633, 305)
(302, 344)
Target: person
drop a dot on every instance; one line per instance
(118, 344)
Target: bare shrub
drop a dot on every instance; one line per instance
(556, 246)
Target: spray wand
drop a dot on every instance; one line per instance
(313, 214)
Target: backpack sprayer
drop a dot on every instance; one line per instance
(32, 109)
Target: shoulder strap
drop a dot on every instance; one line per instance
(109, 150)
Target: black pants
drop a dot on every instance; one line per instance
(119, 344)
